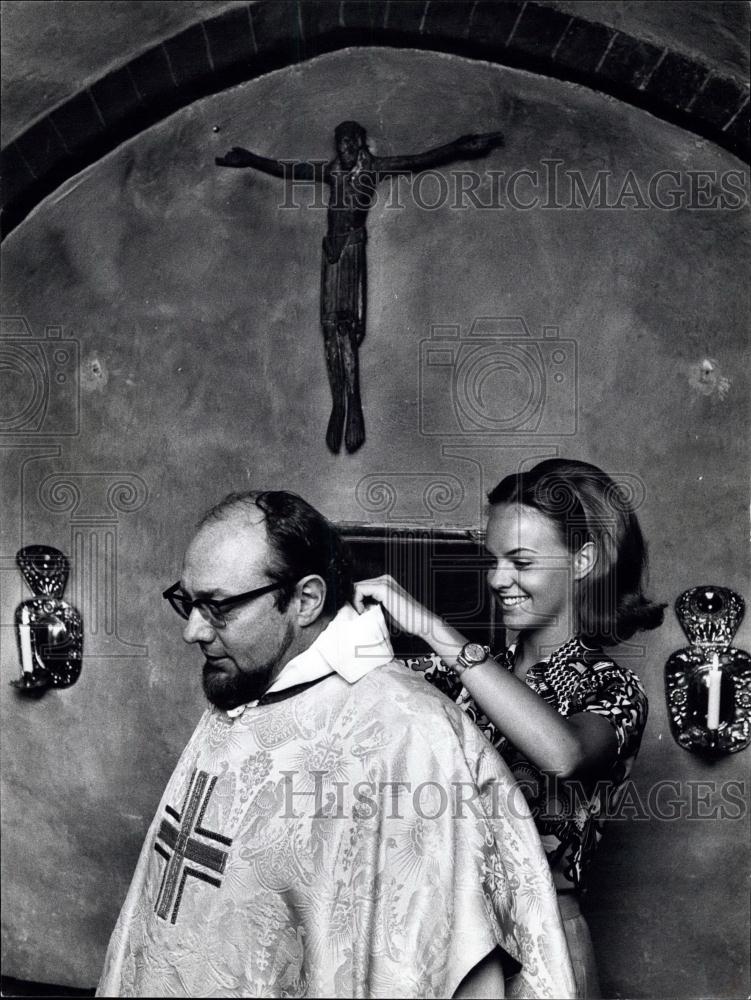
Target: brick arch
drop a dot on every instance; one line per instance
(247, 41)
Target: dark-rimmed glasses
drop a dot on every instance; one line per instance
(214, 612)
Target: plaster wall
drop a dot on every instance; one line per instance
(189, 298)
(51, 48)
(716, 33)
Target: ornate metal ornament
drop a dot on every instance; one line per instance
(49, 631)
(708, 684)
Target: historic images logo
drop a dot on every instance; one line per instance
(39, 381)
(92, 503)
(497, 379)
(316, 793)
(548, 185)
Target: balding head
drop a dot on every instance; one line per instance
(243, 546)
(300, 542)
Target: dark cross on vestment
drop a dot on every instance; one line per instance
(183, 842)
(352, 178)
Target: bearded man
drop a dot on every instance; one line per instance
(335, 826)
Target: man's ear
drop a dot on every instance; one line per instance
(585, 560)
(310, 596)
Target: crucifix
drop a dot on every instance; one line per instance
(182, 839)
(352, 178)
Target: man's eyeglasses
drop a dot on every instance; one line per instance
(214, 612)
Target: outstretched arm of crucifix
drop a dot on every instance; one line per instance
(466, 147)
(239, 158)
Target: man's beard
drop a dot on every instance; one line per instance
(228, 690)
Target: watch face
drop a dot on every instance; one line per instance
(473, 652)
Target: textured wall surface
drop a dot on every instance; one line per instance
(189, 298)
(717, 33)
(50, 48)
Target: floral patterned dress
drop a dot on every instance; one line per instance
(570, 814)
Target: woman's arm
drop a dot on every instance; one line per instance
(583, 746)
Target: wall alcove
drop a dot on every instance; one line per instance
(189, 298)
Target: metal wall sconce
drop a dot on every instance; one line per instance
(48, 629)
(708, 684)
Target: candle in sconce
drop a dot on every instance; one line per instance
(714, 682)
(24, 630)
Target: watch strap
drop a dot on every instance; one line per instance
(464, 662)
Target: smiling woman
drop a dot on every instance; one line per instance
(567, 559)
(532, 574)
(572, 520)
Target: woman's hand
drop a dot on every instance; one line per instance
(410, 616)
(568, 747)
(407, 613)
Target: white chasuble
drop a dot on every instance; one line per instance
(350, 840)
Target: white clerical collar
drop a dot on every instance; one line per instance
(351, 645)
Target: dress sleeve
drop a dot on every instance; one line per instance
(620, 698)
(435, 671)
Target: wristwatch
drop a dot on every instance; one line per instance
(472, 655)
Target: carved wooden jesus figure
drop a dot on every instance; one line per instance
(352, 177)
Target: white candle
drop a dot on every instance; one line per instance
(25, 632)
(714, 678)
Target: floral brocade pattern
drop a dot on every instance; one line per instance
(290, 856)
(570, 816)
